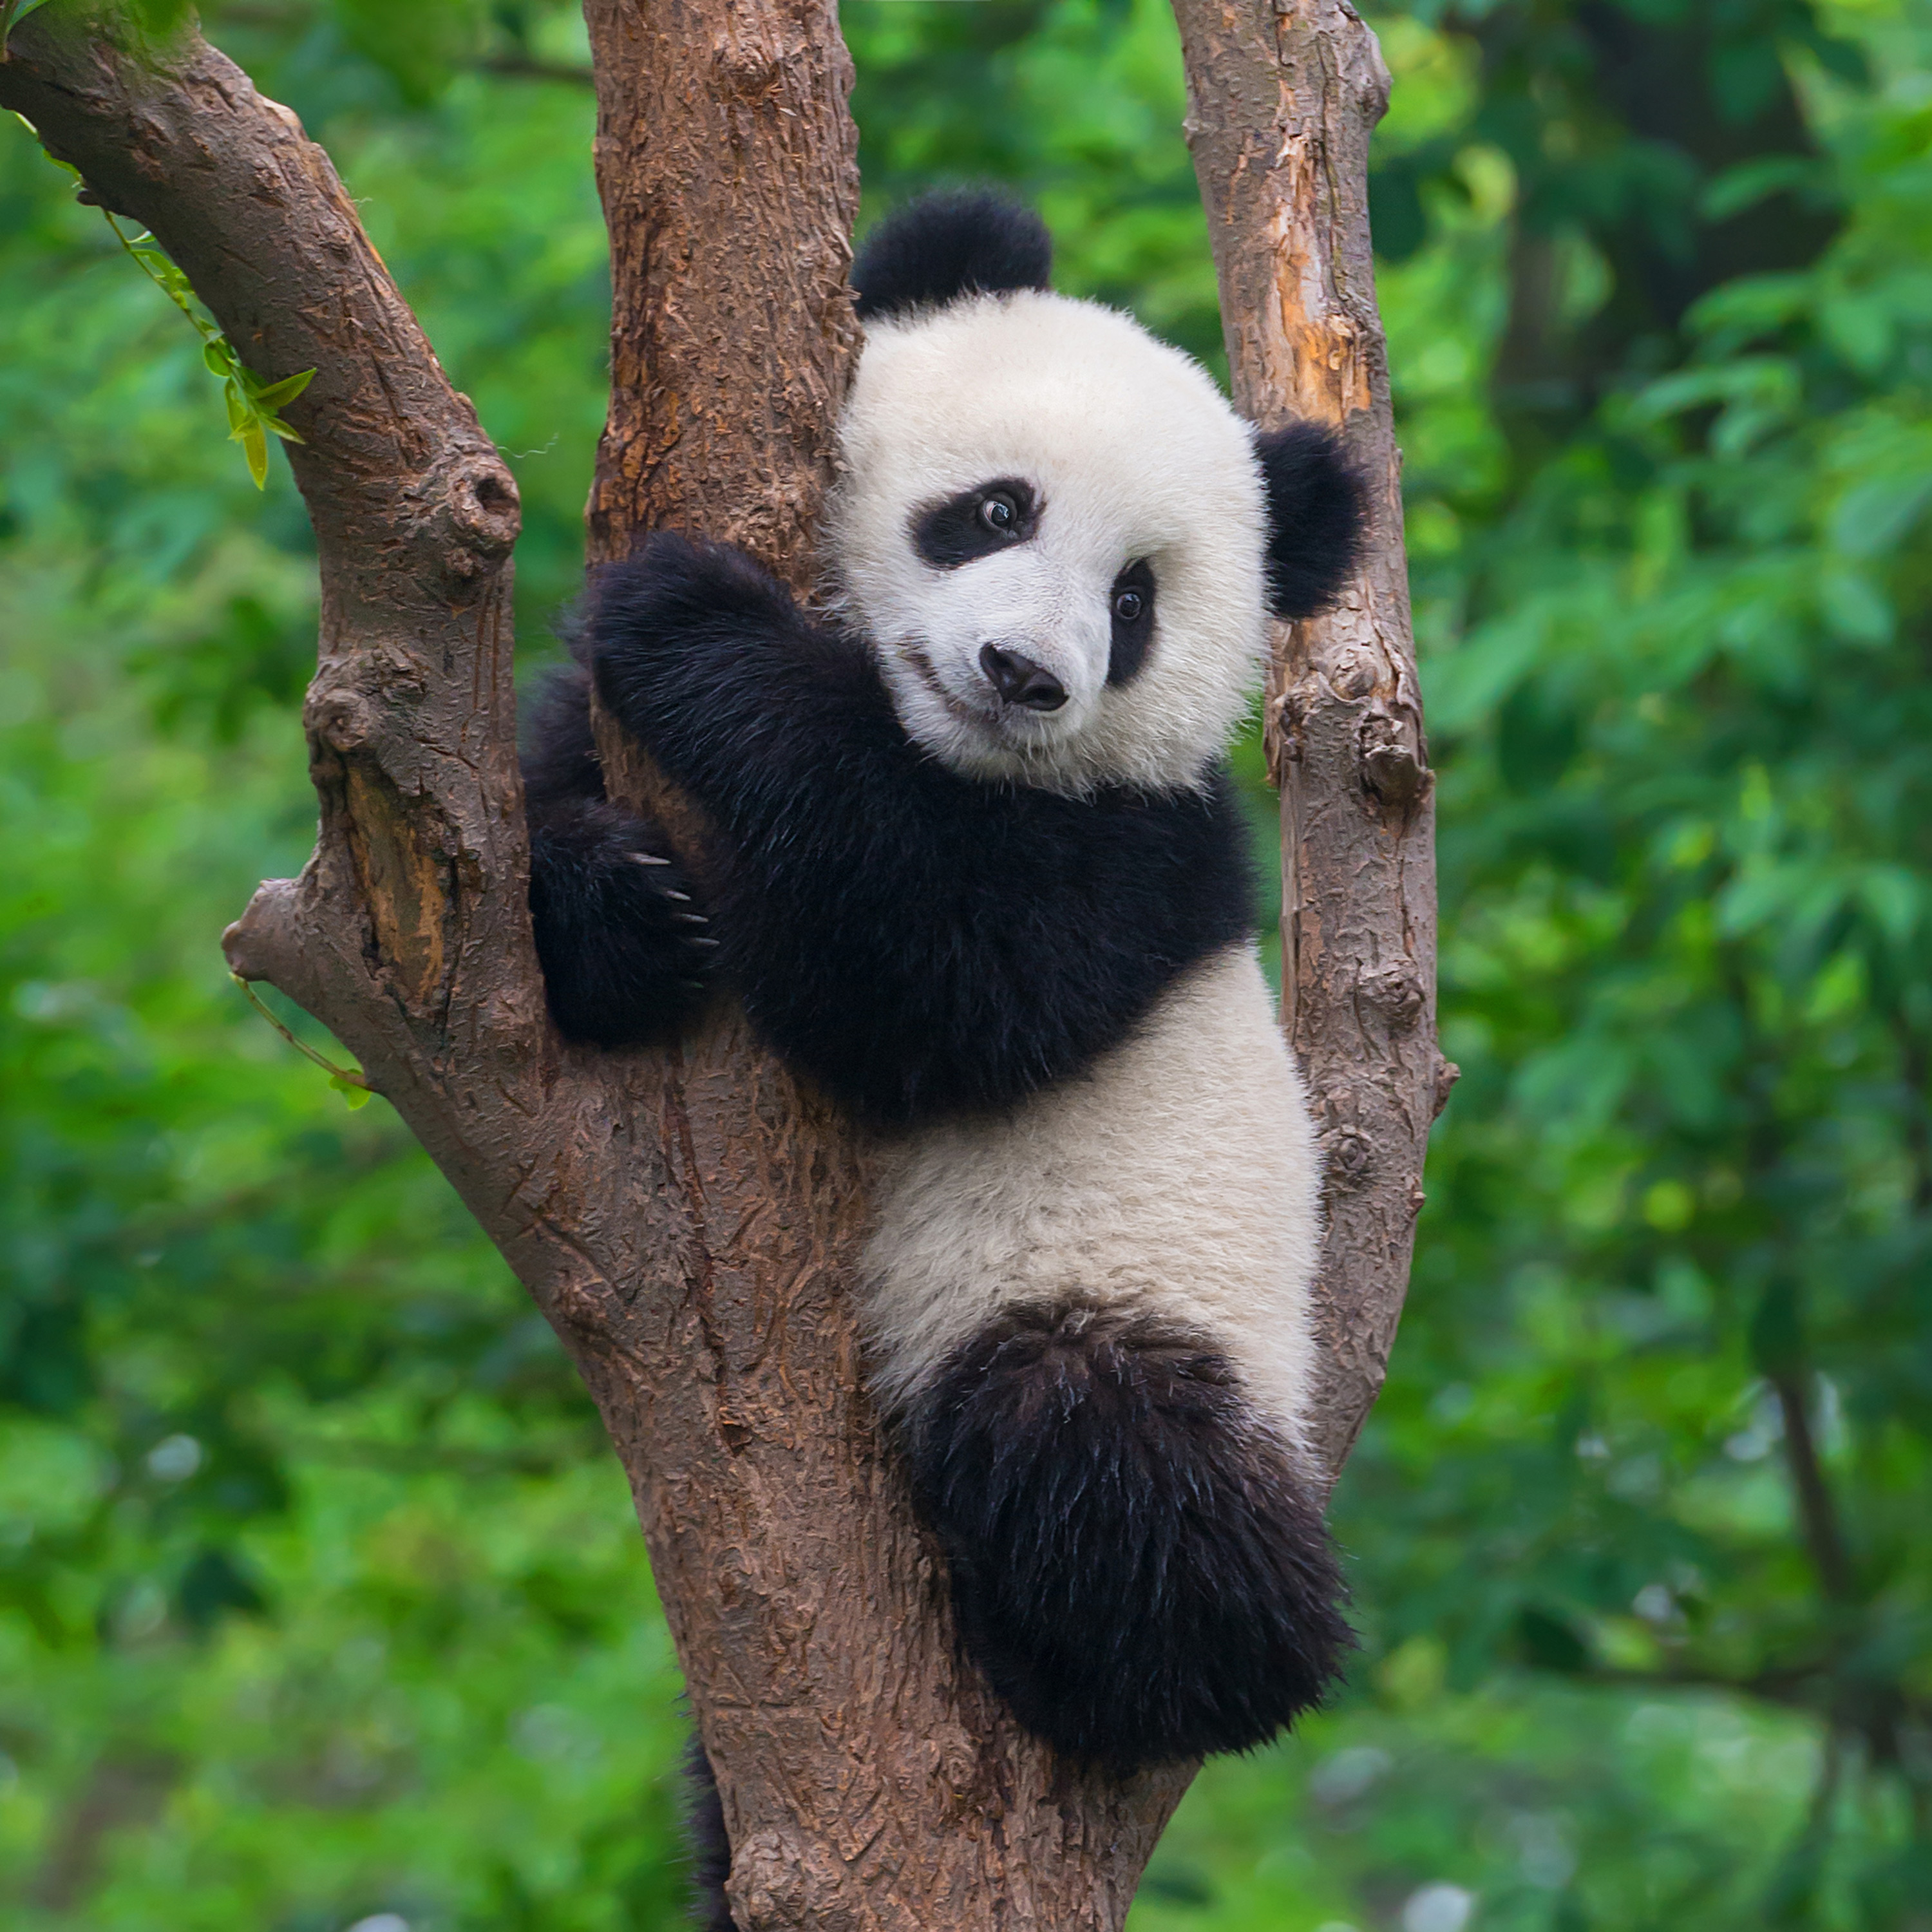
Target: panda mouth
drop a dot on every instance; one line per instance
(928, 676)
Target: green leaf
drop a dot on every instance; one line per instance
(255, 447)
(240, 415)
(286, 391)
(354, 1094)
(220, 359)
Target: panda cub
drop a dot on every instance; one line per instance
(980, 875)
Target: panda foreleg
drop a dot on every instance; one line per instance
(1137, 1565)
(624, 944)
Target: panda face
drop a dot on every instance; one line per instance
(1051, 528)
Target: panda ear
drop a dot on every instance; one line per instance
(1317, 515)
(956, 242)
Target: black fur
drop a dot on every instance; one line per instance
(624, 944)
(1126, 654)
(710, 1845)
(916, 942)
(948, 534)
(1138, 1570)
(957, 242)
(1318, 516)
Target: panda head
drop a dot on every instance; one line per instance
(1062, 543)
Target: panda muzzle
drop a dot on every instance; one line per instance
(1020, 682)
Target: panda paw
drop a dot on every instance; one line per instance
(627, 951)
(1136, 1564)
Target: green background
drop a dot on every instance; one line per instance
(320, 1597)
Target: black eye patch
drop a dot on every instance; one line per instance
(989, 516)
(1130, 603)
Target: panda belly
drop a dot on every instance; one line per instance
(1176, 1181)
(1088, 1321)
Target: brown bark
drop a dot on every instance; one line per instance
(1282, 97)
(729, 172)
(686, 1221)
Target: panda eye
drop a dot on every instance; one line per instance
(1131, 600)
(993, 516)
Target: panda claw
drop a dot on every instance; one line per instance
(691, 918)
(646, 859)
(683, 898)
(692, 939)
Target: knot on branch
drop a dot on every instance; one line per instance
(779, 1884)
(1347, 1156)
(748, 69)
(1373, 88)
(1392, 771)
(1396, 993)
(1355, 670)
(482, 514)
(341, 719)
(266, 943)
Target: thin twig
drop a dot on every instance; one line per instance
(1817, 1509)
(343, 1076)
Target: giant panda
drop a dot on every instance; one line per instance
(980, 876)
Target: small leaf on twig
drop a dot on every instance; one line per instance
(353, 1086)
(255, 447)
(254, 404)
(271, 399)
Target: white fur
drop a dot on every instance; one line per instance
(1178, 1177)
(1135, 454)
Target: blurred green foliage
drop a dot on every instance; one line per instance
(319, 1601)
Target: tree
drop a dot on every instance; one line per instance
(684, 1220)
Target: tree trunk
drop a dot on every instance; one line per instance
(686, 1221)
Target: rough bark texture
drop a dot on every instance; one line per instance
(1282, 97)
(687, 1221)
(729, 172)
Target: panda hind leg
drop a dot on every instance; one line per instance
(709, 1844)
(1136, 1564)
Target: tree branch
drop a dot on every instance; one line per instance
(1282, 97)
(1817, 1508)
(407, 928)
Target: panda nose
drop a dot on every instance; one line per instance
(1020, 681)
